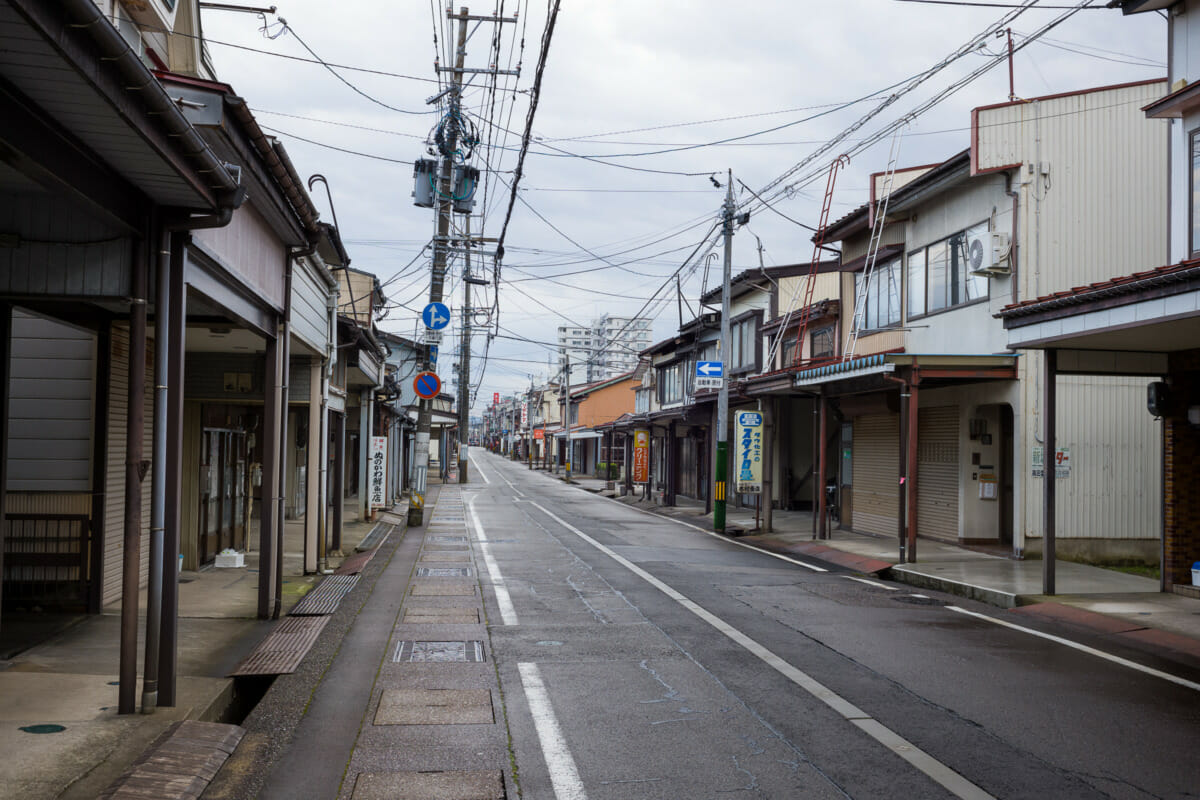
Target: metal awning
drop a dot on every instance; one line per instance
(582, 434)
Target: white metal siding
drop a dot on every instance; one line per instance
(310, 318)
(937, 471)
(52, 403)
(876, 454)
(1098, 212)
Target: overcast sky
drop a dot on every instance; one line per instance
(624, 81)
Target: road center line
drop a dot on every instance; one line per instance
(1083, 648)
(953, 782)
(563, 774)
(507, 612)
(482, 474)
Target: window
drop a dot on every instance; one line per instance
(1195, 181)
(882, 299)
(743, 344)
(823, 345)
(938, 274)
(670, 383)
(788, 350)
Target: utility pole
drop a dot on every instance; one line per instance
(444, 203)
(464, 363)
(529, 425)
(567, 414)
(721, 473)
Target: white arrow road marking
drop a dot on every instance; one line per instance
(937, 771)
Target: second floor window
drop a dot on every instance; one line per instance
(1195, 180)
(743, 345)
(823, 345)
(939, 276)
(882, 296)
(670, 384)
(641, 401)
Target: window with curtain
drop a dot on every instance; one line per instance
(939, 276)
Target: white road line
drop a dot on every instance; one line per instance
(716, 535)
(563, 774)
(937, 771)
(871, 583)
(507, 612)
(482, 474)
(1083, 648)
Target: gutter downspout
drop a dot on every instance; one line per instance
(1010, 190)
(326, 380)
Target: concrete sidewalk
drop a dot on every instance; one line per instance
(70, 678)
(1101, 601)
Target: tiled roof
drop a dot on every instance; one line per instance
(1114, 287)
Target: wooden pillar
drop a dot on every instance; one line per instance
(902, 489)
(338, 484)
(913, 482)
(822, 432)
(5, 374)
(312, 474)
(1049, 469)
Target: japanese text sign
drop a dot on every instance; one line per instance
(378, 472)
(641, 456)
(749, 452)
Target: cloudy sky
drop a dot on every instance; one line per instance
(641, 103)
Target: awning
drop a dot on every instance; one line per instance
(581, 434)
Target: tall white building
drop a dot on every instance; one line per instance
(608, 348)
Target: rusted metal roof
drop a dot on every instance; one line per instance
(1127, 285)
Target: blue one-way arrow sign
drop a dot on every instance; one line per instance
(436, 316)
(710, 369)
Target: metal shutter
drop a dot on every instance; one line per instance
(876, 453)
(937, 471)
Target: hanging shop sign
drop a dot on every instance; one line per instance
(378, 472)
(749, 452)
(641, 456)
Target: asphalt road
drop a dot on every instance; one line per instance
(643, 658)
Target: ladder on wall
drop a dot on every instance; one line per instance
(877, 225)
(818, 243)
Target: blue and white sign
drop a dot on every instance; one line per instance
(433, 354)
(749, 452)
(710, 374)
(436, 316)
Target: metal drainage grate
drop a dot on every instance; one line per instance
(469, 651)
(443, 572)
(283, 650)
(325, 598)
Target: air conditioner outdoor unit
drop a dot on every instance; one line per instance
(988, 254)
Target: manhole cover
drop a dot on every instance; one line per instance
(443, 572)
(917, 600)
(438, 651)
(44, 728)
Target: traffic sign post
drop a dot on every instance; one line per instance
(427, 385)
(710, 374)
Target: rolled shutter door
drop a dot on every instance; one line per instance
(938, 472)
(876, 453)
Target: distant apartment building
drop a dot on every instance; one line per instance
(608, 348)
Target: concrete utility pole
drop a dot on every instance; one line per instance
(441, 245)
(464, 360)
(721, 472)
(529, 425)
(567, 416)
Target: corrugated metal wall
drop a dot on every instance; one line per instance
(310, 319)
(876, 454)
(114, 479)
(1114, 490)
(1098, 211)
(52, 403)
(249, 248)
(937, 471)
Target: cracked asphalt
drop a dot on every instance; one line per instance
(679, 665)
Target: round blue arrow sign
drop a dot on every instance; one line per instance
(436, 316)
(427, 385)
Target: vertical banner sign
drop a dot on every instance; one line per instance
(641, 456)
(495, 398)
(524, 415)
(378, 476)
(749, 452)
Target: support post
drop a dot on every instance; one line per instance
(131, 552)
(158, 475)
(721, 473)
(464, 361)
(339, 480)
(767, 498)
(822, 467)
(902, 507)
(169, 636)
(5, 375)
(272, 394)
(1049, 470)
(312, 472)
(913, 484)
